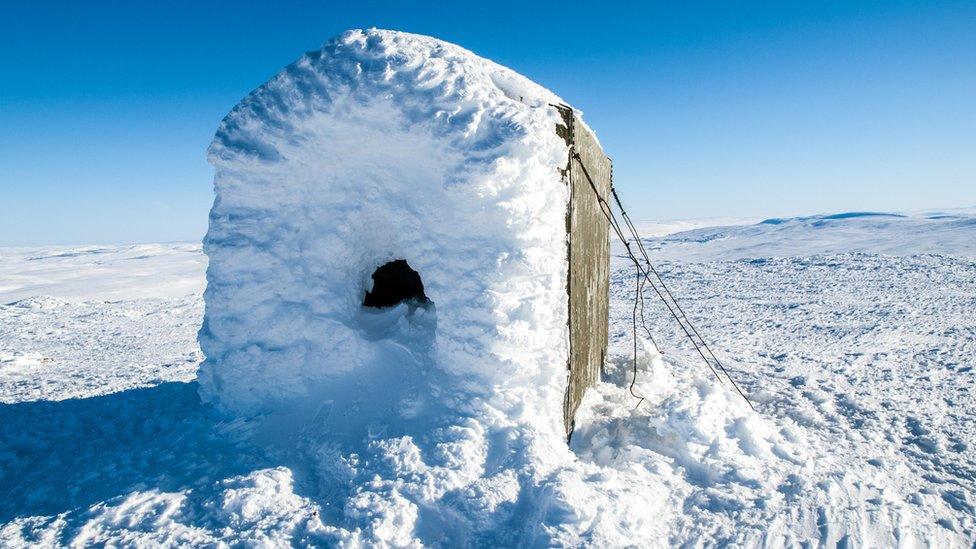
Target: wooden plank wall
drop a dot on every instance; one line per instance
(589, 263)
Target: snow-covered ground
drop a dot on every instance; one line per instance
(854, 335)
(85, 321)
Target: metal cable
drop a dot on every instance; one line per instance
(647, 260)
(676, 311)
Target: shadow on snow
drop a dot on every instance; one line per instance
(71, 454)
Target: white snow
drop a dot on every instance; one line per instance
(861, 365)
(97, 319)
(944, 232)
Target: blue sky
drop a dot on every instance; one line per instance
(757, 109)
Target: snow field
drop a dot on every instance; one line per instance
(860, 364)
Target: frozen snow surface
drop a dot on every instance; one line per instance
(92, 320)
(860, 363)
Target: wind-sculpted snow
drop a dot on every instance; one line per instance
(93, 320)
(862, 369)
(385, 146)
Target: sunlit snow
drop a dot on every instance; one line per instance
(854, 335)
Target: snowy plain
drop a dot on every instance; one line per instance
(853, 334)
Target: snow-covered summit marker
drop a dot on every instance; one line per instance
(389, 166)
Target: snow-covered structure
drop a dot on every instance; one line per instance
(381, 158)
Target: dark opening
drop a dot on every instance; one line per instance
(395, 283)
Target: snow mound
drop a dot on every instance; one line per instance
(38, 302)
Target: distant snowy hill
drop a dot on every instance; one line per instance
(865, 232)
(83, 273)
(854, 334)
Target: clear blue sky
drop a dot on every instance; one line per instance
(765, 109)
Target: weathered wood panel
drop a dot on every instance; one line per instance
(589, 263)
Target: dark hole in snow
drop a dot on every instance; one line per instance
(394, 283)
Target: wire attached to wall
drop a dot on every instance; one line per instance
(645, 270)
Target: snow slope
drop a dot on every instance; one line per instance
(860, 362)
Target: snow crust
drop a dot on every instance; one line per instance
(91, 320)
(860, 362)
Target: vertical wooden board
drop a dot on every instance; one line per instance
(589, 266)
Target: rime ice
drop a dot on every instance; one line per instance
(385, 146)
